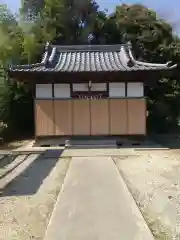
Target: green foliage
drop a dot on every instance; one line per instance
(11, 37)
(16, 108)
(15, 103)
(144, 29)
(31, 8)
(67, 21)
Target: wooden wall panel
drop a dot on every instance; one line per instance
(136, 116)
(81, 117)
(44, 118)
(63, 117)
(94, 117)
(118, 116)
(99, 117)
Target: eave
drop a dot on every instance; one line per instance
(98, 62)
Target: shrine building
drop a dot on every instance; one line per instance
(90, 90)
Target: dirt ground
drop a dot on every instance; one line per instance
(26, 203)
(153, 178)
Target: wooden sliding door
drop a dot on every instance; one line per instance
(44, 118)
(81, 117)
(63, 117)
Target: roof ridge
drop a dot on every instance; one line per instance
(90, 45)
(90, 48)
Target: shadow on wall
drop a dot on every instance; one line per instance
(29, 181)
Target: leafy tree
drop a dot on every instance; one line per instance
(14, 101)
(31, 8)
(144, 29)
(11, 37)
(16, 111)
(68, 21)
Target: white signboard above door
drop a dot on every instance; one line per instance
(80, 87)
(94, 87)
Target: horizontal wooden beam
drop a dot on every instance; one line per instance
(147, 77)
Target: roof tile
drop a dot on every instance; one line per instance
(91, 58)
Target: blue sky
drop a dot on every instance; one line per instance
(158, 5)
(167, 9)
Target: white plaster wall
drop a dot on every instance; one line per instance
(62, 91)
(135, 89)
(117, 90)
(44, 91)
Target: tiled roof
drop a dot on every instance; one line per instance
(89, 58)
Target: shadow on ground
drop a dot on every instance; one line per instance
(6, 160)
(30, 180)
(138, 143)
(171, 141)
(99, 142)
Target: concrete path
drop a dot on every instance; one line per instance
(95, 204)
(104, 152)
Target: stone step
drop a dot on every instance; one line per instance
(91, 142)
(91, 146)
(88, 144)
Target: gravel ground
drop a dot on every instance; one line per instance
(27, 202)
(153, 178)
